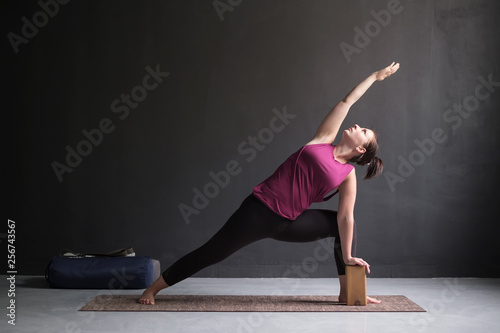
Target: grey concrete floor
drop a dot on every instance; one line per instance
(453, 305)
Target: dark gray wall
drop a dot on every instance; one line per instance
(433, 213)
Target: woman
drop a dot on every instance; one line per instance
(278, 207)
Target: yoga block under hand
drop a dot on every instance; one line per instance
(356, 285)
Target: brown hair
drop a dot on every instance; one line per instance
(375, 164)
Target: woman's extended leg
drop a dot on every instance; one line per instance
(253, 221)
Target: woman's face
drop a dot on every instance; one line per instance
(358, 136)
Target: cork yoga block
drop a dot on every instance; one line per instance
(356, 285)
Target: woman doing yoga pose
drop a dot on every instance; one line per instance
(278, 208)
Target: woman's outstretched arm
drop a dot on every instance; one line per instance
(330, 126)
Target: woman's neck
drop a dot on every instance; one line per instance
(342, 153)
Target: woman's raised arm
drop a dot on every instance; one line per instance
(330, 126)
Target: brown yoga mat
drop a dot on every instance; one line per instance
(247, 303)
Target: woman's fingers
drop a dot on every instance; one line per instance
(367, 267)
(361, 262)
(387, 71)
(392, 68)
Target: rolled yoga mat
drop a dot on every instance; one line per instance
(247, 303)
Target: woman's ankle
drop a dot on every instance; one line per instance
(159, 284)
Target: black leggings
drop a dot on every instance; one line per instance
(254, 221)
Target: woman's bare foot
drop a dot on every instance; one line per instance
(372, 300)
(148, 296)
(343, 299)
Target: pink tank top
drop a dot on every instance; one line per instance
(305, 177)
